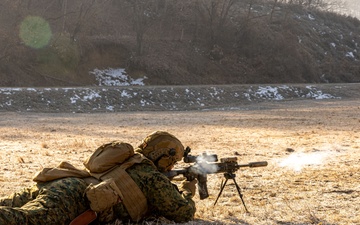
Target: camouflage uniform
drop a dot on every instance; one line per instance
(56, 202)
(164, 199)
(60, 201)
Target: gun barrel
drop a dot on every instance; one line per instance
(255, 164)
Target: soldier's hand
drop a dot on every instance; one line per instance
(189, 186)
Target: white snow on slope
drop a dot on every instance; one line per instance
(115, 77)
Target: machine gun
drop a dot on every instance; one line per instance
(207, 164)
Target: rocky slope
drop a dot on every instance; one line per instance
(165, 98)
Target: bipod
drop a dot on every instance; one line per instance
(232, 177)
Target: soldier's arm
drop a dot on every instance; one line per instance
(163, 197)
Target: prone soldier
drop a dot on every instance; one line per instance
(137, 188)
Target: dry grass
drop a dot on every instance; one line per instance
(312, 148)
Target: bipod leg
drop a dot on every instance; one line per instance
(221, 190)
(240, 194)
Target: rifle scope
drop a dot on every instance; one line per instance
(201, 158)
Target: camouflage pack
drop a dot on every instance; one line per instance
(108, 155)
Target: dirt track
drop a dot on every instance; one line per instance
(312, 147)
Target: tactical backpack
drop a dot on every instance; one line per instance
(108, 155)
(109, 163)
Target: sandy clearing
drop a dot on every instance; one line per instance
(317, 183)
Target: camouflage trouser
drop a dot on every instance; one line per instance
(56, 202)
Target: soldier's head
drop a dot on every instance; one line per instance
(163, 149)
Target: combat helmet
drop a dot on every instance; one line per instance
(162, 148)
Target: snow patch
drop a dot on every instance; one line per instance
(350, 55)
(116, 77)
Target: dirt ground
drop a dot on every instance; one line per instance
(312, 148)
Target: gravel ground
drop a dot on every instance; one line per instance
(161, 98)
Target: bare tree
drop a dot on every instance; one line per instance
(86, 10)
(216, 14)
(273, 9)
(145, 12)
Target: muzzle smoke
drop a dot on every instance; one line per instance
(297, 161)
(203, 160)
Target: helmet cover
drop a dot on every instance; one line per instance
(159, 144)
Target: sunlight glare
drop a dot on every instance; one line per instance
(35, 32)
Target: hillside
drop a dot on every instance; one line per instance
(176, 43)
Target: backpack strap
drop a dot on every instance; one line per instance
(134, 199)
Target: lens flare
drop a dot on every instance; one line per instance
(35, 32)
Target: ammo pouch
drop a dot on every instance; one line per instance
(103, 195)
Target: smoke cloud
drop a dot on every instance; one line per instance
(297, 161)
(202, 161)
